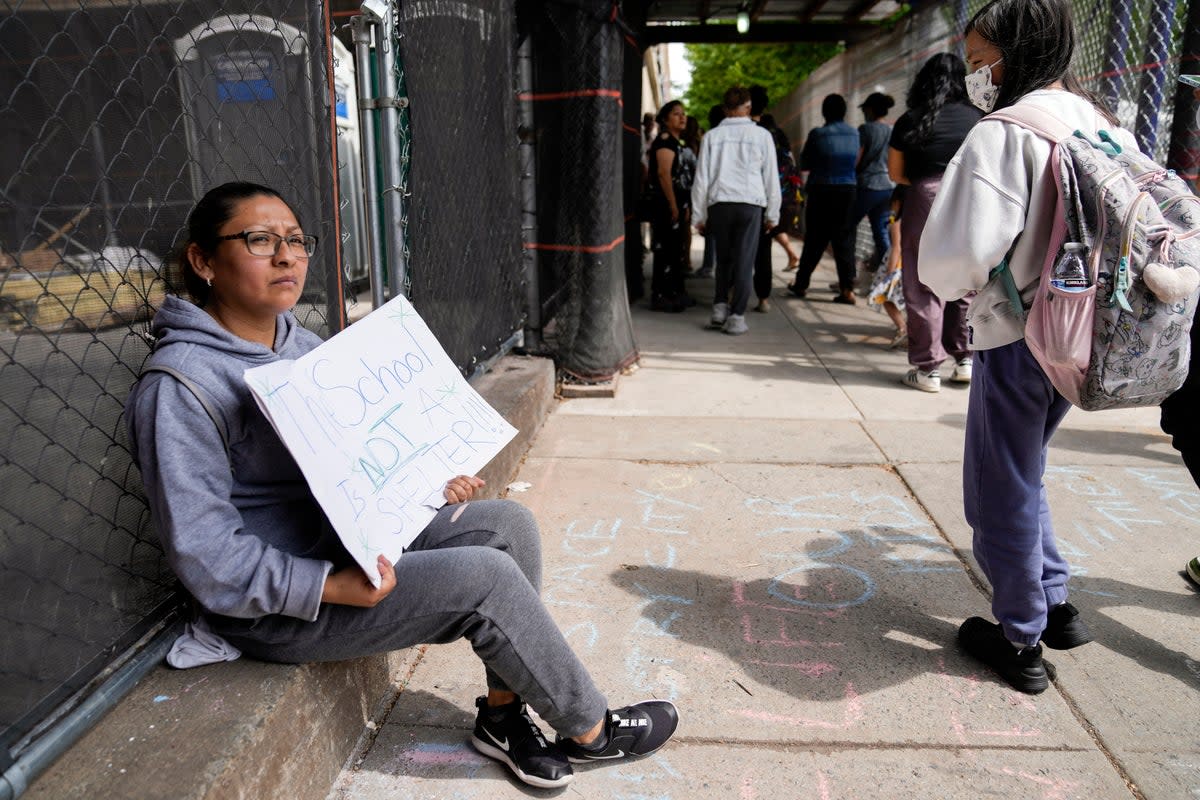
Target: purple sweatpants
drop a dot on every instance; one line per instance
(935, 328)
(1012, 412)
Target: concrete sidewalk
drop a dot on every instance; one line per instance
(767, 530)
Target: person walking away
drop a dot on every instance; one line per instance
(670, 193)
(874, 193)
(829, 156)
(997, 202)
(735, 198)
(925, 138)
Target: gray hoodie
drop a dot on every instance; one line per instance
(245, 542)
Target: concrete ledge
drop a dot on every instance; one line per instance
(251, 730)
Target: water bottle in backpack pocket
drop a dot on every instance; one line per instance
(1068, 309)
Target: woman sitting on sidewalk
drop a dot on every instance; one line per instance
(248, 540)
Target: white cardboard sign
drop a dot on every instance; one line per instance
(379, 419)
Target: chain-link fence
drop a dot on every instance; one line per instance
(117, 117)
(1128, 52)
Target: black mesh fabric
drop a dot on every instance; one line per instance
(578, 62)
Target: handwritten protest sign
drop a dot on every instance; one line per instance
(379, 419)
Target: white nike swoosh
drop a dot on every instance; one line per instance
(618, 754)
(503, 743)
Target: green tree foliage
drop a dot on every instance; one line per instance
(778, 67)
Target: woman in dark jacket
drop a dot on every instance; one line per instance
(670, 186)
(924, 139)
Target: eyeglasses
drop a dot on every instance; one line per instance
(265, 243)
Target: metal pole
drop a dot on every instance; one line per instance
(45, 750)
(528, 166)
(389, 150)
(362, 28)
(1184, 153)
(1158, 41)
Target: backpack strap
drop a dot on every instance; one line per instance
(1033, 119)
(202, 397)
(1002, 272)
(1049, 127)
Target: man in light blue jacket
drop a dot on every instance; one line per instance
(735, 198)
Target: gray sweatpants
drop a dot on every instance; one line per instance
(474, 572)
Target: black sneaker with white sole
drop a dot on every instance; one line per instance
(636, 730)
(509, 735)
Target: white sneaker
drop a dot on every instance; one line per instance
(735, 325)
(962, 371)
(925, 381)
(719, 315)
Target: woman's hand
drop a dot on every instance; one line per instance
(674, 213)
(462, 488)
(352, 587)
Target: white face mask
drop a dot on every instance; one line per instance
(980, 89)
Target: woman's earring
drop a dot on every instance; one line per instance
(209, 282)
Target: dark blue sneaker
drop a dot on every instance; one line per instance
(636, 730)
(509, 735)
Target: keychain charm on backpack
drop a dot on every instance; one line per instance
(1170, 285)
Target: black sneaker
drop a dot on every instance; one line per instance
(1024, 669)
(1065, 628)
(507, 734)
(636, 730)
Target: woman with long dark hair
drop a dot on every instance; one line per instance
(998, 203)
(923, 141)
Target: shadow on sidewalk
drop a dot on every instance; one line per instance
(853, 610)
(1093, 595)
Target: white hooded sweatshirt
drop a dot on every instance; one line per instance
(998, 189)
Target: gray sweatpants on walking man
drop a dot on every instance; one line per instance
(474, 572)
(735, 229)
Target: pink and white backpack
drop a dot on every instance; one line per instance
(1124, 340)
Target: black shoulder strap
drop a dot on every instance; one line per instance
(201, 396)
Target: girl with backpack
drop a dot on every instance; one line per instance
(996, 202)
